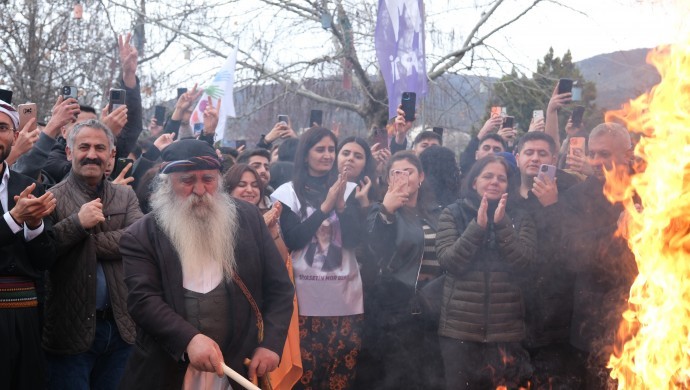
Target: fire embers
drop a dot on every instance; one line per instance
(653, 342)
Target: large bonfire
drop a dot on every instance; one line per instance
(653, 350)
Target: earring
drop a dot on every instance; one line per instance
(420, 184)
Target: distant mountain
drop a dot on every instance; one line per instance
(619, 76)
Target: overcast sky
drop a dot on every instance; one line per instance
(595, 27)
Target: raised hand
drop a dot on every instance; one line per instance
(501, 209)
(115, 120)
(211, 117)
(31, 210)
(184, 103)
(490, 125)
(164, 140)
(91, 214)
(362, 192)
(545, 190)
(128, 60)
(397, 195)
(121, 179)
(482, 217)
(336, 190)
(64, 111)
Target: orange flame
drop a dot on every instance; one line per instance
(653, 337)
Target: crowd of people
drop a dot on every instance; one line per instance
(307, 261)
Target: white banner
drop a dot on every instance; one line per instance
(221, 87)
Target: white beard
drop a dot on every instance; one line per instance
(202, 230)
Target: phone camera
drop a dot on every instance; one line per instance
(544, 168)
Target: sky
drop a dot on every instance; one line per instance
(592, 27)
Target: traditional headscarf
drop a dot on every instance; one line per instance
(7, 108)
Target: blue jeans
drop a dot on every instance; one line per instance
(100, 367)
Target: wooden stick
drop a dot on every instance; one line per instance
(234, 375)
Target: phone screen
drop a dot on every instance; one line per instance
(181, 91)
(508, 122)
(160, 115)
(576, 117)
(381, 137)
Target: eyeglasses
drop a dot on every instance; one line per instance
(6, 129)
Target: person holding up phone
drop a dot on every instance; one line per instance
(558, 100)
(281, 130)
(402, 231)
(484, 245)
(548, 291)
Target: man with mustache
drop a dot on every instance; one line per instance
(206, 282)
(88, 332)
(603, 265)
(26, 251)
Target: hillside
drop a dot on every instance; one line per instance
(619, 76)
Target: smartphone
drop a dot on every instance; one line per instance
(69, 92)
(181, 91)
(26, 112)
(6, 95)
(496, 111)
(120, 164)
(116, 99)
(537, 114)
(240, 142)
(438, 130)
(565, 86)
(408, 102)
(576, 116)
(508, 122)
(577, 146)
(547, 170)
(576, 94)
(315, 118)
(401, 176)
(198, 128)
(381, 137)
(283, 118)
(160, 115)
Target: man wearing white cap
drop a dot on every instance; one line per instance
(26, 250)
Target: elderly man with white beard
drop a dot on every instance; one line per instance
(206, 282)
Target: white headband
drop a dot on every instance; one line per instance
(13, 114)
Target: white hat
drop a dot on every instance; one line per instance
(7, 108)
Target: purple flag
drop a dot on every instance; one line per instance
(400, 49)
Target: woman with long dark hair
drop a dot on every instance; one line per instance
(357, 163)
(402, 231)
(321, 226)
(484, 246)
(442, 173)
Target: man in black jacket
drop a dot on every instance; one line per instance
(201, 287)
(547, 287)
(26, 250)
(603, 264)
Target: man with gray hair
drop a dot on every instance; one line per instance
(603, 265)
(88, 332)
(206, 282)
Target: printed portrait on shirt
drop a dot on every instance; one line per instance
(325, 252)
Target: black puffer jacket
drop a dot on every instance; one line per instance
(481, 298)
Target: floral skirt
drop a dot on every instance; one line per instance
(329, 346)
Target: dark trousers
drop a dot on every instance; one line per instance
(100, 367)
(21, 358)
(478, 366)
